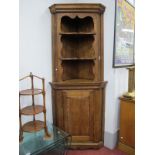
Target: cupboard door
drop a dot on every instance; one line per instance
(78, 114)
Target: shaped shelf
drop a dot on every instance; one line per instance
(32, 110)
(34, 91)
(33, 126)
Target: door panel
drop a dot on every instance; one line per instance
(78, 114)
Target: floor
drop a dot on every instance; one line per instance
(102, 151)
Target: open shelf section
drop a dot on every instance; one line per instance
(33, 126)
(32, 110)
(78, 70)
(77, 24)
(34, 91)
(77, 47)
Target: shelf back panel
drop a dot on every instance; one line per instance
(77, 47)
(77, 70)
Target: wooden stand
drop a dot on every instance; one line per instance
(35, 125)
(78, 85)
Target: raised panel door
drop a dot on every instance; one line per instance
(78, 114)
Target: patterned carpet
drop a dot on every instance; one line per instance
(102, 151)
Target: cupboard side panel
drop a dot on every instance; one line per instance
(98, 112)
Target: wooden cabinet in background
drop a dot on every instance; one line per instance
(78, 84)
(127, 125)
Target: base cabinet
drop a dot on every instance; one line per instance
(127, 126)
(79, 111)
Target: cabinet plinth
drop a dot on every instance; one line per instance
(78, 85)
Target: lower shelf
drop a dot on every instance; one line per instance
(33, 126)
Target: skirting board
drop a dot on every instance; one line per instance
(110, 139)
(86, 145)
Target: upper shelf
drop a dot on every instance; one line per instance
(34, 91)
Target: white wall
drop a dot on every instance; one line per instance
(35, 44)
(35, 54)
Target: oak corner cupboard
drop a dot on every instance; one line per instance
(78, 85)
